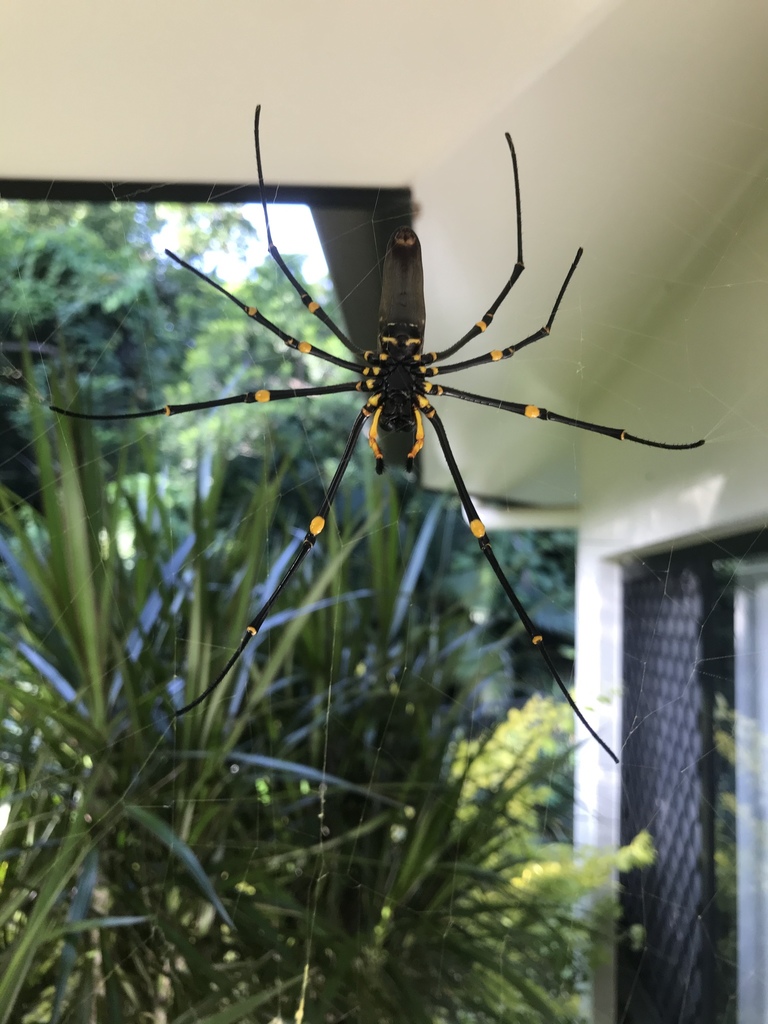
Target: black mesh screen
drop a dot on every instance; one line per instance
(661, 792)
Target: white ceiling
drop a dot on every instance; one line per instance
(639, 128)
(354, 93)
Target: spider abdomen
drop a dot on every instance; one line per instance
(402, 314)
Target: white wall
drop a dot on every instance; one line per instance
(635, 145)
(713, 336)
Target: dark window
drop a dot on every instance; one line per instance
(681, 771)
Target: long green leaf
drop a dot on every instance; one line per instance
(179, 849)
(36, 933)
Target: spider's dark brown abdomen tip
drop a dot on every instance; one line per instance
(404, 236)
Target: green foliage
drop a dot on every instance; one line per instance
(89, 294)
(335, 828)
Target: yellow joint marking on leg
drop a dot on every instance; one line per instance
(252, 630)
(532, 411)
(262, 396)
(481, 324)
(623, 435)
(251, 310)
(423, 402)
(477, 528)
(316, 526)
(167, 410)
(496, 355)
(304, 347)
(313, 307)
(539, 639)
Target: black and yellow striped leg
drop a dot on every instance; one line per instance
(517, 270)
(536, 412)
(251, 311)
(315, 529)
(478, 531)
(263, 395)
(504, 353)
(314, 307)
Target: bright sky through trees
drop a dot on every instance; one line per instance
(293, 231)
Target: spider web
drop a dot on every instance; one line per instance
(691, 734)
(474, 696)
(680, 913)
(693, 730)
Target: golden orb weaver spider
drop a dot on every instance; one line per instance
(396, 380)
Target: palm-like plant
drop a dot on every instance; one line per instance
(333, 830)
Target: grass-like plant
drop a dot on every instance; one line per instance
(339, 833)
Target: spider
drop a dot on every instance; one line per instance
(397, 382)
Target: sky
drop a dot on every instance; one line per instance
(293, 232)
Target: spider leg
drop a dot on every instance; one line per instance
(315, 528)
(418, 440)
(248, 396)
(517, 270)
(535, 412)
(478, 531)
(314, 307)
(300, 346)
(496, 354)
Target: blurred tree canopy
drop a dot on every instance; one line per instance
(91, 294)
